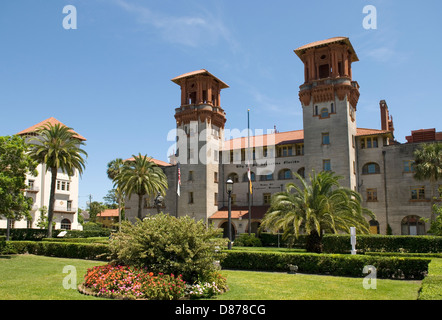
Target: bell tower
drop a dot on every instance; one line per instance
(200, 124)
(329, 97)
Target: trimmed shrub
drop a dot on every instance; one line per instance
(333, 243)
(59, 249)
(244, 240)
(328, 264)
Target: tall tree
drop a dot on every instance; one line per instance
(114, 168)
(15, 163)
(141, 176)
(316, 207)
(58, 148)
(428, 166)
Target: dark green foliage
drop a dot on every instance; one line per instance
(328, 264)
(244, 240)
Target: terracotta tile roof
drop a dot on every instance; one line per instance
(369, 132)
(108, 213)
(264, 140)
(258, 212)
(157, 162)
(281, 138)
(51, 121)
(321, 43)
(198, 72)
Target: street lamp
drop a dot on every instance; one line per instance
(229, 188)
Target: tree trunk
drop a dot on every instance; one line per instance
(52, 200)
(140, 206)
(314, 242)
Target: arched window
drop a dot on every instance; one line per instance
(371, 168)
(234, 177)
(324, 113)
(267, 177)
(301, 172)
(65, 224)
(374, 227)
(285, 174)
(413, 226)
(245, 177)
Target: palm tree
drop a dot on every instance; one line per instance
(321, 206)
(141, 176)
(58, 148)
(428, 166)
(114, 168)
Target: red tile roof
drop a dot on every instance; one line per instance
(322, 43)
(108, 213)
(51, 121)
(157, 162)
(280, 138)
(258, 212)
(198, 72)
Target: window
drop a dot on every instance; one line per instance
(326, 138)
(31, 184)
(216, 199)
(301, 172)
(413, 226)
(369, 142)
(332, 108)
(266, 198)
(372, 195)
(326, 165)
(409, 166)
(371, 168)
(234, 177)
(418, 193)
(215, 177)
(285, 151)
(267, 177)
(69, 205)
(233, 199)
(190, 176)
(324, 113)
(66, 224)
(316, 111)
(285, 174)
(190, 197)
(63, 185)
(300, 149)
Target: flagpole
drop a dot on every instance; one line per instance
(250, 175)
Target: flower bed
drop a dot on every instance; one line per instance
(131, 283)
(123, 282)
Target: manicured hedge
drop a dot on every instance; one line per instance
(103, 240)
(381, 243)
(90, 251)
(329, 264)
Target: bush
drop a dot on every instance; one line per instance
(274, 239)
(244, 240)
(2, 243)
(59, 249)
(170, 245)
(329, 264)
(379, 243)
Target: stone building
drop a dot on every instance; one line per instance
(370, 160)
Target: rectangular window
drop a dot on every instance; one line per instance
(369, 142)
(408, 166)
(267, 197)
(326, 165)
(418, 193)
(216, 199)
(190, 176)
(372, 195)
(215, 177)
(58, 185)
(300, 149)
(31, 184)
(190, 197)
(285, 151)
(326, 138)
(233, 198)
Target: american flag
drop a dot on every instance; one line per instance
(179, 180)
(249, 175)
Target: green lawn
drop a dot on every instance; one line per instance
(31, 277)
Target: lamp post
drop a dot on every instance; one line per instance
(229, 188)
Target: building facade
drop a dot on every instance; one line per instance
(370, 160)
(38, 188)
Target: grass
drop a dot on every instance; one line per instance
(31, 277)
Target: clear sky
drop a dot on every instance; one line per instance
(109, 79)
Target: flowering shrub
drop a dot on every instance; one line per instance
(132, 283)
(214, 284)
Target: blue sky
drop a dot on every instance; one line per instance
(110, 78)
